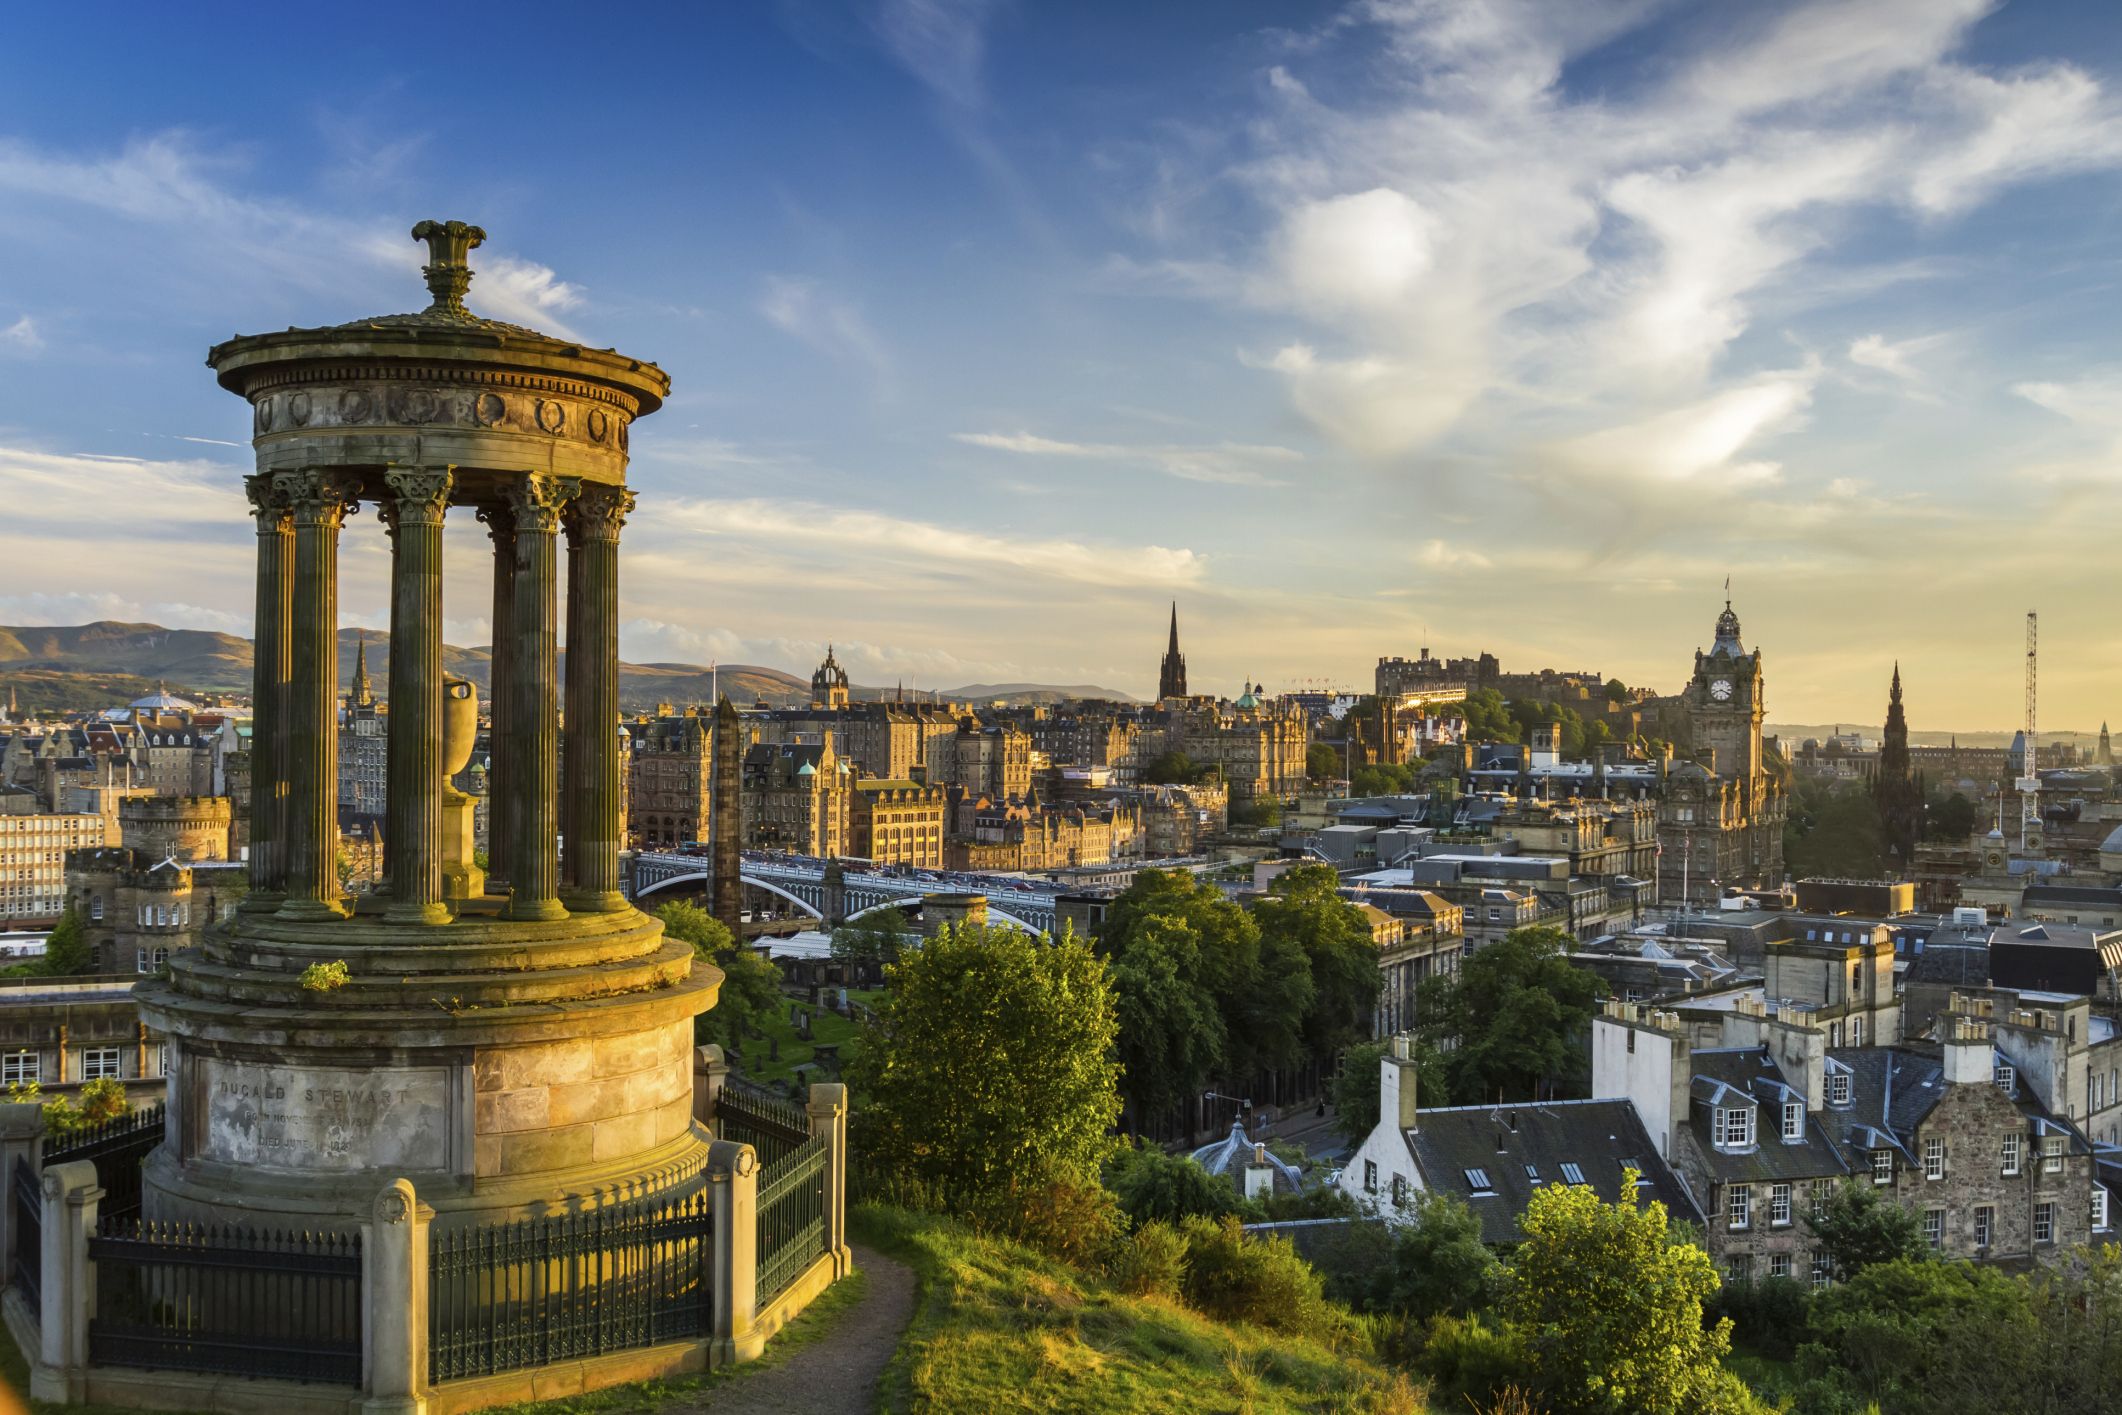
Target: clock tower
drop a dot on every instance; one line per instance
(1725, 705)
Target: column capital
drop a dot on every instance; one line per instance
(318, 496)
(418, 496)
(535, 501)
(598, 513)
(269, 502)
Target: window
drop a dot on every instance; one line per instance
(1934, 1227)
(2005, 1078)
(1572, 1175)
(1370, 1176)
(2099, 1207)
(2044, 1223)
(1739, 1205)
(1477, 1180)
(1793, 1120)
(1985, 1225)
(1819, 1190)
(2051, 1154)
(1820, 1270)
(99, 1062)
(1882, 1166)
(1400, 1190)
(1856, 1031)
(1779, 1204)
(2011, 1154)
(1779, 1265)
(1934, 1159)
(95, 906)
(1736, 1130)
(1739, 1266)
(20, 1067)
(1838, 1088)
(1532, 1175)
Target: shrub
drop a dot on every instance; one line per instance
(102, 1100)
(1261, 1281)
(1062, 1217)
(1153, 1185)
(1151, 1262)
(1472, 1363)
(1768, 1316)
(324, 977)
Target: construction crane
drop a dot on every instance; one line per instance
(2029, 782)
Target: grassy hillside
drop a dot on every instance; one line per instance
(999, 1327)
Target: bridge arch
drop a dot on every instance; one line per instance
(701, 876)
(903, 901)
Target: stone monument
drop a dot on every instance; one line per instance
(511, 1046)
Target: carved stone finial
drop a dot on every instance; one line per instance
(448, 269)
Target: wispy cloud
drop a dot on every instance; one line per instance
(806, 310)
(1228, 463)
(21, 336)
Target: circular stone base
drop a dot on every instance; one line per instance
(505, 1068)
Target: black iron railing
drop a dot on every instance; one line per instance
(229, 1301)
(751, 1115)
(117, 1148)
(791, 1216)
(28, 1199)
(506, 1296)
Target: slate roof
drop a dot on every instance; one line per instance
(1496, 1143)
(1959, 965)
(1752, 1072)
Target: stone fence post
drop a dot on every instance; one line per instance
(710, 1070)
(733, 1186)
(71, 1195)
(21, 1138)
(828, 1117)
(394, 1290)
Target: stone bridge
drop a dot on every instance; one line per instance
(835, 892)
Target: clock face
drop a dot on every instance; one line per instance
(1721, 689)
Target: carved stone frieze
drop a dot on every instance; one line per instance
(548, 408)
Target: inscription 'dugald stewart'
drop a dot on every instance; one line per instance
(319, 1118)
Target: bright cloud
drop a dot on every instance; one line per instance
(1229, 463)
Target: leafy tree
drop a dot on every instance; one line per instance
(1321, 762)
(1305, 910)
(1488, 717)
(1175, 769)
(1940, 1338)
(990, 1072)
(1609, 1308)
(1834, 831)
(1616, 691)
(1436, 1265)
(1171, 1028)
(1260, 995)
(1355, 1087)
(1519, 1011)
(66, 949)
(1951, 819)
(1154, 1186)
(102, 1100)
(1858, 1227)
(877, 937)
(751, 985)
(1382, 779)
(1260, 811)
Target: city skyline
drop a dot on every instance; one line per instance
(986, 345)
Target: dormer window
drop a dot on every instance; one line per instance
(1882, 1166)
(1735, 1127)
(1838, 1088)
(1793, 1120)
(2006, 1078)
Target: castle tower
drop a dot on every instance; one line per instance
(1899, 798)
(527, 1051)
(1171, 674)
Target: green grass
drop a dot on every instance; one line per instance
(999, 1327)
(1765, 1376)
(826, 1026)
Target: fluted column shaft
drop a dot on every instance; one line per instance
(269, 670)
(532, 805)
(500, 672)
(319, 501)
(413, 839)
(593, 824)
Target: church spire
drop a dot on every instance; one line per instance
(1171, 674)
(360, 695)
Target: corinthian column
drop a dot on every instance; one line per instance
(532, 804)
(500, 676)
(319, 500)
(413, 840)
(269, 668)
(592, 827)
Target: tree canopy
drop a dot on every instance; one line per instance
(990, 1070)
(876, 937)
(1304, 907)
(66, 949)
(1834, 831)
(1951, 819)
(1382, 779)
(751, 985)
(1609, 1307)
(1355, 1086)
(1859, 1227)
(1519, 1011)
(1321, 762)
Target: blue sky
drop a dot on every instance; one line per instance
(995, 327)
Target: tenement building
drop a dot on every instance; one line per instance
(797, 798)
(899, 822)
(33, 851)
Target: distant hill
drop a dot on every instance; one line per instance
(1026, 694)
(59, 660)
